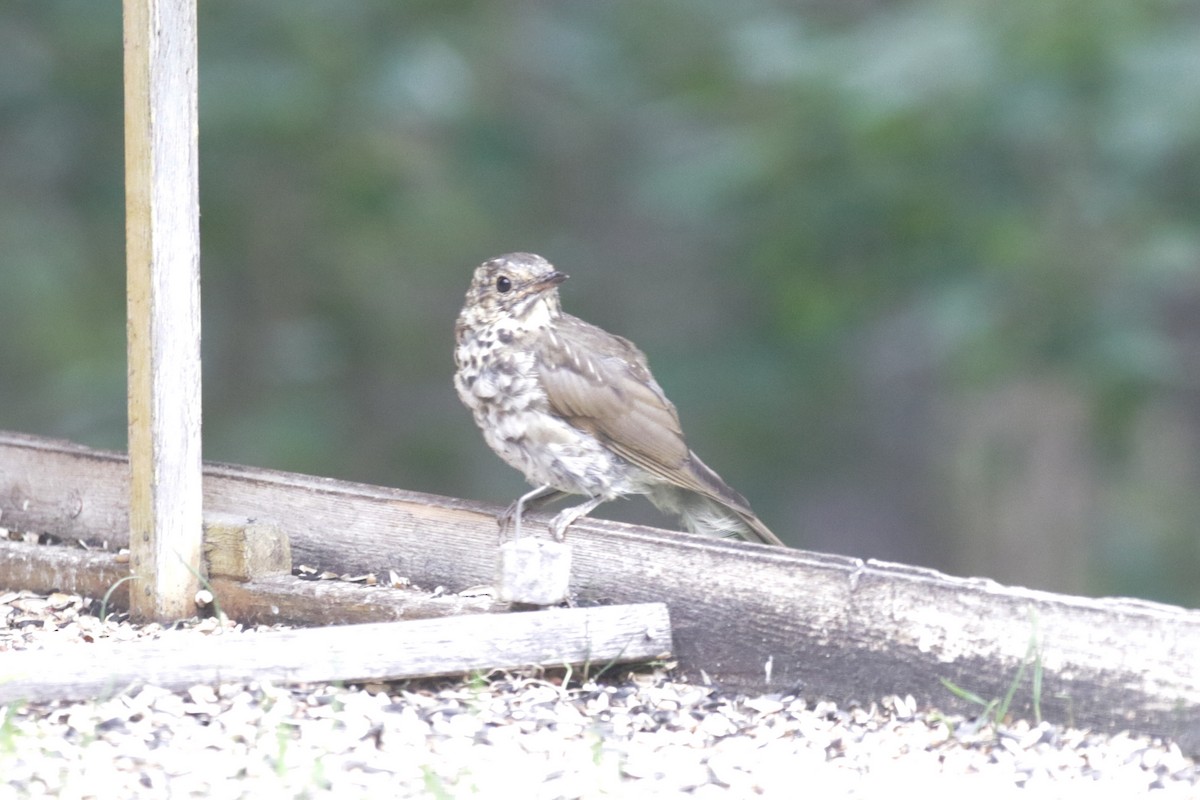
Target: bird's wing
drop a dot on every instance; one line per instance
(600, 383)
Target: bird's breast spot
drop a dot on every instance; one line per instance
(516, 427)
(485, 387)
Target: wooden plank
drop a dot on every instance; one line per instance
(282, 598)
(749, 617)
(163, 294)
(383, 651)
(40, 568)
(266, 599)
(53, 485)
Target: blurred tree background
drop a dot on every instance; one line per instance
(923, 278)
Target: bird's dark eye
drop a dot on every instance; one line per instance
(503, 284)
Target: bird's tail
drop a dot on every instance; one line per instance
(711, 517)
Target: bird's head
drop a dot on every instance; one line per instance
(517, 285)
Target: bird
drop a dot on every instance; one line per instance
(575, 408)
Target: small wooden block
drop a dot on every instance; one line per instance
(533, 571)
(242, 549)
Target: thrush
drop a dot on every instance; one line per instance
(576, 409)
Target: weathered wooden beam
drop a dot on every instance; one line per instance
(265, 599)
(282, 598)
(748, 617)
(373, 652)
(162, 237)
(40, 568)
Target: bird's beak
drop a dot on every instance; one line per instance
(553, 279)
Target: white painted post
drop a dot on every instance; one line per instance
(162, 238)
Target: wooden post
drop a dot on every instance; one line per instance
(163, 284)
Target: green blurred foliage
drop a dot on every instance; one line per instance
(923, 278)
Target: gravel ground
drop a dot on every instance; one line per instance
(630, 735)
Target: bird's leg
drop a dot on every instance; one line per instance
(530, 500)
(565, 518)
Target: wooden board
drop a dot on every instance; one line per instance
(266, 599)
(45, 569)
(593, 637)
(749, 617)
(162, 245)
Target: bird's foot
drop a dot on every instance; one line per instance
(558, 526)
(511, 517)
(508, 519)
(565, 518)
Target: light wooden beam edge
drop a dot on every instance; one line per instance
(386, 651)
(747, 617)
